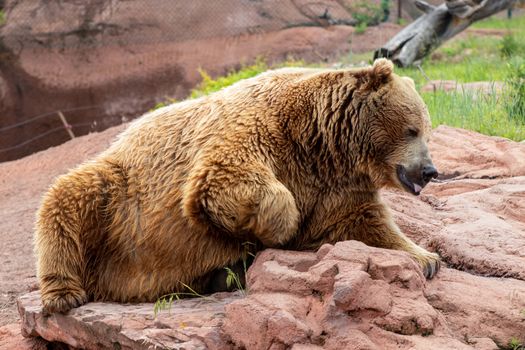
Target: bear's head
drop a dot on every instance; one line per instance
(396, 127)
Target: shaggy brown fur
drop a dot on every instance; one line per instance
(292, 158)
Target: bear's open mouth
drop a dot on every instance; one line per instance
(410, 186)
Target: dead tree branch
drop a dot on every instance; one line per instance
(436, 25)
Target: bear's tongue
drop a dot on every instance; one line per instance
(411, 186)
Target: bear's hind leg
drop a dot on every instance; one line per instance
(66, 213)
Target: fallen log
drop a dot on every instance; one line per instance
(438, 24)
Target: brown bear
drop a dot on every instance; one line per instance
(292, 158)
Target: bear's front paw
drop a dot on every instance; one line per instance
(430, 262)
(62, 300)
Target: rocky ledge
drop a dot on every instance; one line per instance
(347, 296)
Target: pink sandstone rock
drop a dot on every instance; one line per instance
(10, 338)
(466, 154)
(192, 324)
(347, 296)
(377, 299)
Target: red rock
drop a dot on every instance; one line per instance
(193, 324)
(356, 290)
(394, 314)
(370, 308)
(479, 307)
(466, 154)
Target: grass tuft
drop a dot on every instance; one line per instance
(166, 301)
(515, 23)
(515, 344)
(515, 105)
(209, 84)
(361, 28)
(233, 278)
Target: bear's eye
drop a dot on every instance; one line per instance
(412, 133)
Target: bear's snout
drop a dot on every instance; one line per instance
(429, 172)
(414, 178)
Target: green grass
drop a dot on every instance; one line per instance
(361, 28)
(164, 103)
(515, 23)
(464, 60)
(479, 112)
(475, 69)
(209, 85)
(515, 344)
(166, 301)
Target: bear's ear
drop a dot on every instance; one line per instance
(377, 75)
(382, 69)
(380, 73)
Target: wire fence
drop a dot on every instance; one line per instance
(44, 116)
(53, 116)
(44, 134)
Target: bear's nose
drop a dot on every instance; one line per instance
(429, 172)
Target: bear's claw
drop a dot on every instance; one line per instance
(429, 262)
(62, 301)
(431, 268)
